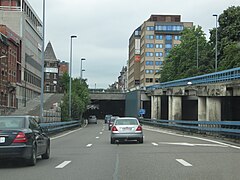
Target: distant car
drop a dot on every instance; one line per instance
(22, 137)
(111, 121)
(125, 129)
(92, 119)
(107, 118)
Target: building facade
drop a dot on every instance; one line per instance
(21, 18)
(10, 67)
(51, 70)
(148, 47)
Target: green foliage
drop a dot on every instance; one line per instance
(64, 82)
(182, 59)
(80, 99)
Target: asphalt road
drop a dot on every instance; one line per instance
(86, 154)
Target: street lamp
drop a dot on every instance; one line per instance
(197, 52)
(82, 59)
(82, 75)
(216, 51)
(42, 64)
(70, 83)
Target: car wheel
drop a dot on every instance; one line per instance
(112, 141)
(33, 160)
(46, 155)
(140, 140)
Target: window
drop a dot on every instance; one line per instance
(149, 80)
(150, 28)
(157, 71)
(177, 37)
(149, 63)
(47, 88)
(149, 71)
(150, 37)
(168, 37)
(158, 63)
(54, 76)
(159, 45)
(159, 37)
(149, 45)
(158, 54)
(47, 75)
(54, 88)
(149, 54)
(168, 46)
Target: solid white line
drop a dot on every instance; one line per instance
(62, 165)
(155, 144)
(192, 137)
(185, 163)
(53, 138)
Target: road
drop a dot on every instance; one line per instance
(86, 154)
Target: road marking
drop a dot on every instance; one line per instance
(89, 145)
(62, 165)
(102, 129)
(155, 144)
(115, 175)
(100, 133)
(53, 138)
(192, 137)
(190, 144)
(97, 137)
(185, 163)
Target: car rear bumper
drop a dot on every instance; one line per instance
(120, 137)
(20, 151)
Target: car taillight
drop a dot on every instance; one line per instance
(114, 128)
(20, 138)
(139, 128)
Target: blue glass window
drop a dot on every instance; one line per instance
(149, 71)
(150, 37)
(168, 37)
(159, 45)
(150, 28)
(158, 54)
(168, 46)
(177, 37)
(149, 63)
(149, 54)
(159, 37)
(149, 45)
(158, 63)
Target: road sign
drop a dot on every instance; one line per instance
(142, 111)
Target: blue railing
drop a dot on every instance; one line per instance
(221, 76)
(227, 128)
(56, 127)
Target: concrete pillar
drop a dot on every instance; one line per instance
(159, 109)
(170, 108)
(213, 106)
(201, 108)
(154, 107)
(177, 108)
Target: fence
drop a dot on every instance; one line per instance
(224, 128)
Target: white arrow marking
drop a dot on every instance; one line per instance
(185, 163)
(62, 165)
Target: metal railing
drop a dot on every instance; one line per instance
(225, 128)
(221, 76)
(56, 127)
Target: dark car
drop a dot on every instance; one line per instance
(111, 121)
(107, 118)
(21, 137)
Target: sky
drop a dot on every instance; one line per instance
(103, 29)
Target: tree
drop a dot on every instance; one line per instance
(228, 38)
(64, 82)
(182, 59)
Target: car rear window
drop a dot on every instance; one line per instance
(126, 122)
(11, 122)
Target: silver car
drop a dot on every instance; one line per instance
(126, 128)
(92, 119)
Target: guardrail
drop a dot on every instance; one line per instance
(221, 76)
(226, 128)
(56, 127)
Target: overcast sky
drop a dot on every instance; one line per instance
(103, 28)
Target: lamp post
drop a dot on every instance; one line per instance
(216, 51)
(197, 52)
(42, 64)
(82, 59)
(70, 80)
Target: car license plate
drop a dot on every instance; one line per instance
(127, 129)
(2, 139)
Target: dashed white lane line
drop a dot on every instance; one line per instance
(155, 144)
(183, 162)
(97, 137)
(88, 145)
(62, 165)
(100, 133)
